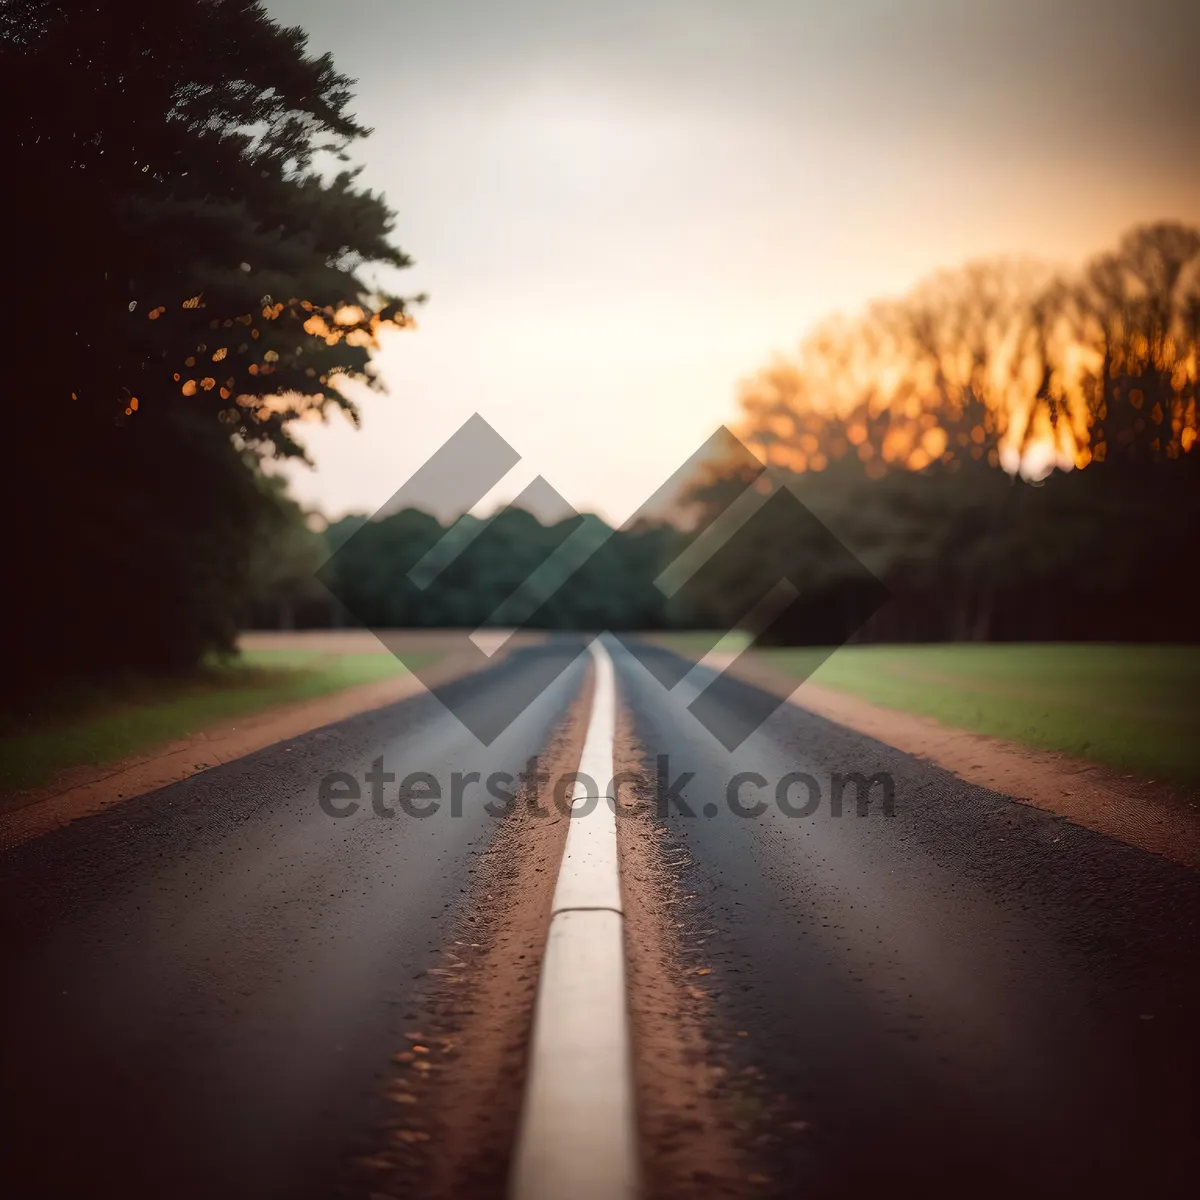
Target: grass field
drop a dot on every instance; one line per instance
(1135, 707)
(1131, 707)
(96, 728)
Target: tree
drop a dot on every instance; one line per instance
(187, 276)
(1140, 304)
(891, 426)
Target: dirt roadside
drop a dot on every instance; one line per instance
(700, 1121)
(85, 791)
(1161, 818)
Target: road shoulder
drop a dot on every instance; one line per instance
(1156, 816)
(85, 791)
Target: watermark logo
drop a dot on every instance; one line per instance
(476, 458)
(746, 794)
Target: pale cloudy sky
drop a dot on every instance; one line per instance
(620, 209)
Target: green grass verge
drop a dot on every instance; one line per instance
(93, 728)
(1132, 707)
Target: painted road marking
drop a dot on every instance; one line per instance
(578, 1135)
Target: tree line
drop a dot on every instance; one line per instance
(1008, 451)
(962, 554)
(1006, 362)
(193, 265)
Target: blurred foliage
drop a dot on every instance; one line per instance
(1002, 362)
(186, 275)
(969, 553)
(511, 570)
(966, 553)
(191, 267)
(1007, 449)
(893, 430)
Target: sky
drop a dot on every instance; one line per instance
(620, 210)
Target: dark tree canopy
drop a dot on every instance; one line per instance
(185, 272)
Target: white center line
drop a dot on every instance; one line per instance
(578, 1136)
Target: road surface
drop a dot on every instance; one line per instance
(203, 986)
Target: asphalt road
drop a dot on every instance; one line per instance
(970, 997)
(202, 987)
